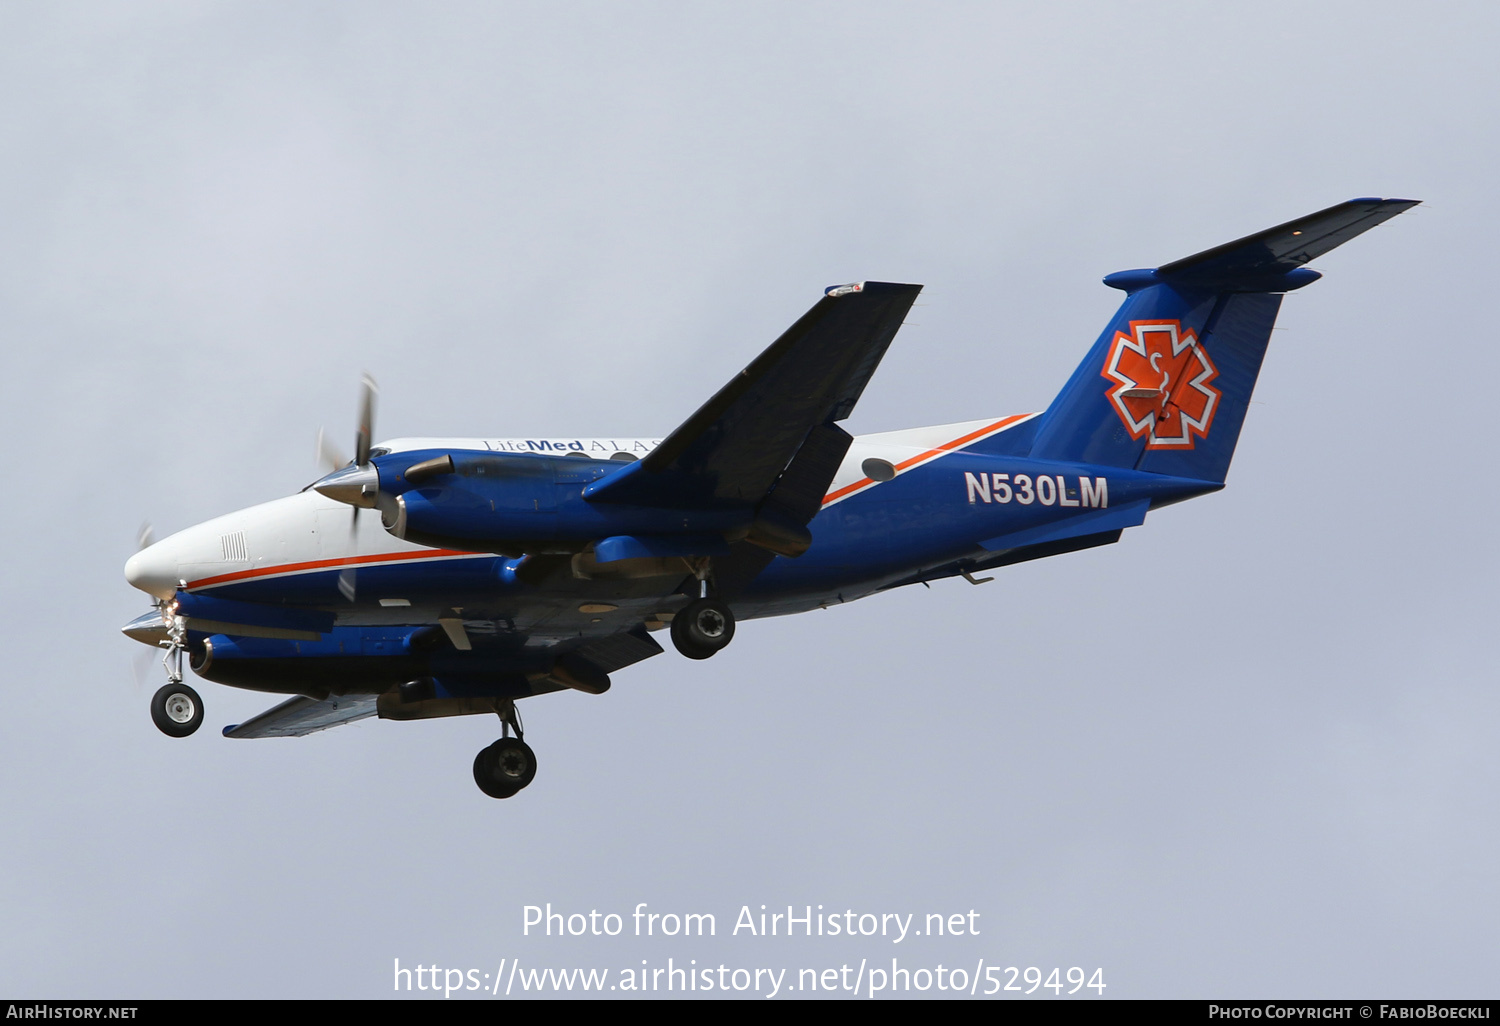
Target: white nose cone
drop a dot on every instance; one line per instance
(154, 571)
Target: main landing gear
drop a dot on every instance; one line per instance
(176, 708)
(508, 765)
(704, 626)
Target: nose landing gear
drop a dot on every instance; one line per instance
(176, 708)
(508, 765)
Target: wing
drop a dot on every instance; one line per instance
(733, 450)
(302, 716)
(584, 665)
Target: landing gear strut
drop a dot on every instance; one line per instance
(508, 765)
(176, 708)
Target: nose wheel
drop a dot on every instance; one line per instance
(508, 765)
(177, 710)
(702, 628)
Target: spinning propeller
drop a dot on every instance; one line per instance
(355, 483)
(144, 539)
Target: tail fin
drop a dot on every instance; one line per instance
(1166, 387)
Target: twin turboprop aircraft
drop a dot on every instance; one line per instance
(441, 577)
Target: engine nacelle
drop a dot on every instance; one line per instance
(521, 503)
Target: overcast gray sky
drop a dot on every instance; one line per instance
(1248, 751)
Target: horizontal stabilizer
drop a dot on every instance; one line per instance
(1008, 557)
(1096, 522)
(1271, 254)
(304, 715)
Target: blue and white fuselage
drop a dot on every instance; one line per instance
(444, 576)
(941, 512)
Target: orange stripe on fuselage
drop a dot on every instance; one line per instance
(1003, 422)
(328, 564)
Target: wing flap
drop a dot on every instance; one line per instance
(302, 715)
(620, 650)
(799, 491)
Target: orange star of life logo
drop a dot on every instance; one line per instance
(1162, 384)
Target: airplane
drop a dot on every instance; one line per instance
(431, 577)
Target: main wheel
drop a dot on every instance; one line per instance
(504, 767)
(177, 710)
(702, 628)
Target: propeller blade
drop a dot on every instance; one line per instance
(329, 454)
(362, 440)
(139, 666)
(356, 483)
(145, 537)
(346, 575)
